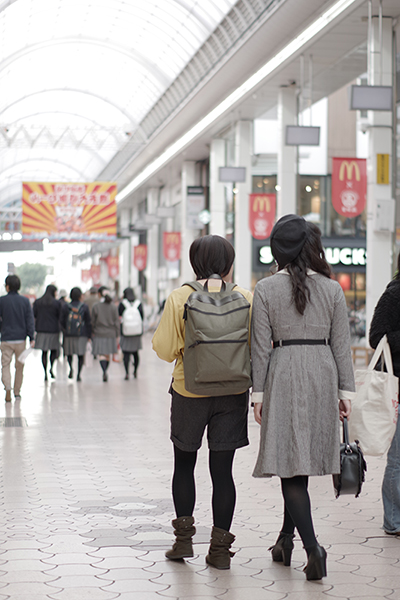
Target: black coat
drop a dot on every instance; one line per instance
(386, 319)
(47, 316)
(86, 330)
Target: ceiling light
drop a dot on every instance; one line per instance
(289, 51)
(308, 188)
(7, 236)
(278, 188)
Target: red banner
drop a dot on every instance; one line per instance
(140, 257)
(113, 266)
(349, 186)
(95, 273)
(172, 245)
(262, 208)
(85, 275)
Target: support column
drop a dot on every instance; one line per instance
(243, 239)
(287, 155)
(152, 249)
(124, 250)
(217, 189)
(187, 235)
(379, 244)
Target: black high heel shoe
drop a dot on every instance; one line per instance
(316, 565)
(282, 551)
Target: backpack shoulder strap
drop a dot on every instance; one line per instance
(195, 285)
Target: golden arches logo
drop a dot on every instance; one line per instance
(261, 204)
(349, 166)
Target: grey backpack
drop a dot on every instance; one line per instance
(216, 359)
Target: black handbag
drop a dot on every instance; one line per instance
(352, 467)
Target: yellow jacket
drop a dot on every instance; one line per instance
(169, 338)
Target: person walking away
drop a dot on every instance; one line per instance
(131, 312)
(386, 321)
(92, 298)
(105, 324)
(17, 324)
(47, 311)
(77, 329)
(302, 378)
(224, 416)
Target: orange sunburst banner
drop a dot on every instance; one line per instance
(69, 212)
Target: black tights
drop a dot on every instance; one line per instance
(127, 356)
(80, 363)
(224, 493)
(53, 358)
(298, 509)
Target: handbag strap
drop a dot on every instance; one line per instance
(382, 348)
(346, 440)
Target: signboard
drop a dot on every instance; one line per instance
(172, 245)
(95, 273)
(349, 186)
(196, 203)
(113, 266)
(382, 169)
(85, 275)
(69, 212)
(232, 174)
(140, 257)
(261, 215)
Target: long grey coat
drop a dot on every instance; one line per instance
(300, 384)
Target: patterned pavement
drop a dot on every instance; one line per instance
(86, 506)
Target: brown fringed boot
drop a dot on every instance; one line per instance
(219, 554)
(184, 530)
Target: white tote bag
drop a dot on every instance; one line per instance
(374, 410)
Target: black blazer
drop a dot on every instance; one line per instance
(47, 316)
(86, 330)
(386, 319)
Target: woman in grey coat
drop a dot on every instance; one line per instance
(302, 378)
(105, 326)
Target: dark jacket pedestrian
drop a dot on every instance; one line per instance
(105, 322)
(386, 321)
(76, 344)
(47, 312)
(17, 323)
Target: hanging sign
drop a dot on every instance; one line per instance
(69, 212)
(140, 257)
(262, 208)
(85, 275)
(172, 245)
(113, 266)
(95, 273)
(349, 186)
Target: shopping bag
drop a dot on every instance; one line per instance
(374, 410)
(24, 355)
(118, 357)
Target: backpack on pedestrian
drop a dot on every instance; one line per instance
(132, 322)
(216, 359)
(74, 321)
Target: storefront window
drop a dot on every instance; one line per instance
(312, 201)
(354, 288)
(264, 184)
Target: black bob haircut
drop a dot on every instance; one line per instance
(75, 294)
(211, 254)
(13, 282)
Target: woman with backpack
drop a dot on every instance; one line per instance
(76, 325)
(105, 327)
(223, 413)
(131, 312)
(46, 311)
(303, 378)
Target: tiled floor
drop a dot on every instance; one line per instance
(86, 506)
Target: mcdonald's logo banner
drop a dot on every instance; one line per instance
(140, 257)
(172, 245)
(113, 266)
(349, 186)
(262, 209)
(69, 212)
(95, 273)
(85, 275)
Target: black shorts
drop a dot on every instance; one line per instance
(224, 416)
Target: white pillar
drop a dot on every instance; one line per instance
(187, 235)
(152, 249)
(243, 239)
(379, 244)
(217, 189)
(287, 157)
(124, 250)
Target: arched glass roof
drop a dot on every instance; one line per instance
(78, 76)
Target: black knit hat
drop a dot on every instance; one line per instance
(288, 237)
